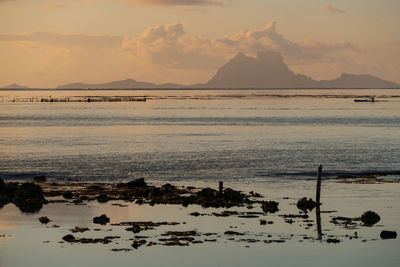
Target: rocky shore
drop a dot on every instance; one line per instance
(225, 202)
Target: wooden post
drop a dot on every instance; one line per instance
(221, 185)
(319, 176)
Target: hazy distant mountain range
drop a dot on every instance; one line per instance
(15, 86)
(267, 70)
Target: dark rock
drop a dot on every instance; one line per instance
(44, 220)
(196, 214)
(102, 198)
(233, 196)
(332, 240)
(306, 204)
(270, 206)
(207, 193)
(370, 218)
(168, 187)
(69, 238)
(78, 229)
(68, 195)
(29, 197)
(134, 183)
(388, 234)
(233, 233)
(263, 222)
(2, 185)
(137, 243)
(103, 220)
(39, 179)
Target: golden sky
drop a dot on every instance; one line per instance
(49, 43)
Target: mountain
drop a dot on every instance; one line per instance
(267, 70)
(124, 84)
(357, 81)
(15, 86)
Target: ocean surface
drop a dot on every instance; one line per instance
(244, 136)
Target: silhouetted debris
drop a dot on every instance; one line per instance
(44, 220)
(78, 229)
(370, 218)
(233, 233)
(134, 183)
(332, 241)
(71, 239)
(345, 221)
(68, 195)
(137, 243)
(39, 179)
(263, 222)
(388, 234)
(270, 206)
(102, 198)
(305, 204)
(121, 249)
(103, 220)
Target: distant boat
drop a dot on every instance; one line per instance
(372, 100)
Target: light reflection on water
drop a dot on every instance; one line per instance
(256, 138)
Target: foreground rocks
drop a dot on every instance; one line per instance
(103, 219)
(305, 204)
(28, 197)
(370, 218)
(388, 234)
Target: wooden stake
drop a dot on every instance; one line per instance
(319, 176)
(221, 185)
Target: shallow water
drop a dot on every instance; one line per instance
(230, 135)
(24, 237)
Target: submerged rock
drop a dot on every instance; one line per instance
(270, 206)
(388, 234)
(103, 198)
(69, 238)
(68, 195)
(44, 220)
(370, 218)
(39, 179)
(103, 220)
(305, 204)
(134, 183)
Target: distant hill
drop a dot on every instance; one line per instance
(124, 84)
(267, 70)
(15, 86)
(357, 81)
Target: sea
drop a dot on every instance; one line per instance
(243, 136)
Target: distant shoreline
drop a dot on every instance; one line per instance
(188, 89)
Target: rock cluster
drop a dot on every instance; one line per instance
(28, 197)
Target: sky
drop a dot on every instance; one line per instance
(46, 43)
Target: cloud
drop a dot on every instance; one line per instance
(168, 46)
(53, 5)
(332, 10)
(179, 2)
(305, 52)
(64, 40)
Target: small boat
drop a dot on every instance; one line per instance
(372, 100)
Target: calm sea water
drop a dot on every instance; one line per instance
(244, 136)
